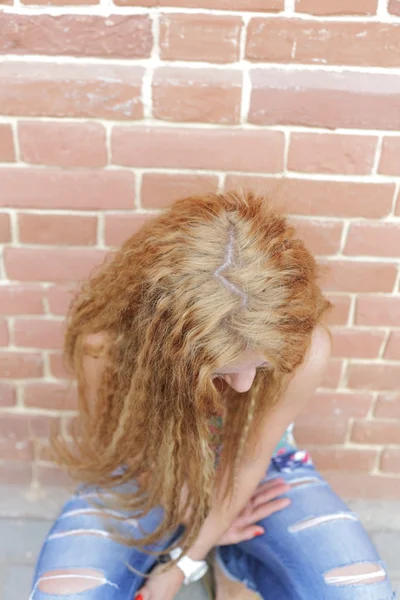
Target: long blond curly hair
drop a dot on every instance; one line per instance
(195, 288)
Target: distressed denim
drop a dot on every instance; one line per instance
(294, 560)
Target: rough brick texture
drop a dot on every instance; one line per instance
(106, 118)
(337, 7)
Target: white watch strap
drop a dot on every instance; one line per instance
(193, 570)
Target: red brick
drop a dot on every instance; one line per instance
(52, 476)
(120, 226)
(160, 190)
(328, 42)
(394, 7)
(337, 7)
(4, 335)
(43, 426)
(71, 90)
(339, 313)
(8, 394)
(59, 298)
(392, 351)
(332, 374)
(197, 95)
(373, 239)
(322, 198)
(20, 365)
(57, 366)
(77, 35)
(361, 485)
(204, 37)
(356, 343)
(55, 264)
(329, 99)
(331, 153)
(387, 406)
(321, 237)
(56, 188)
(16, 299)
(222, 149)
(16, 450)
(376, 432)
(39, 333)
(340, 404)
(7, 152)
(343, 459)
(374, 377)
(390, 460)
(390, 162)
(383, 311)
(51, 396)
(57, 230)
(44, 451)
(15, 471)
(14, 426)
(244, 5)
(63, 144)
(360, 276)
(5, 228)
(310, 430)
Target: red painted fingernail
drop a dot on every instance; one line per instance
(140, 597)
(259, 533)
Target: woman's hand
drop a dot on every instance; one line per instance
(162, 584)
(264, 502)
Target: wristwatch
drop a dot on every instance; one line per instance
(193, 570)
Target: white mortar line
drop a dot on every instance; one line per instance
(286, 152)
(378, 154)
(138, 191)
(14, 228)
(246, 79)
(14, 127)
(203, 126)
(382, 11)
(100, 243)
(396, 198)
(153, 63)
(396, 288)
(343, 240)
(384, 344)
(291, 175)
(103, 10)
(352, 311)
(290, 8)
(343, 374)
(221, 182)
(180, 64)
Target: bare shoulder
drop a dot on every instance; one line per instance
(320, 348)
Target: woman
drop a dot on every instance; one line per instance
(195, 348)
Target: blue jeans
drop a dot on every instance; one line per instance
(297, 558)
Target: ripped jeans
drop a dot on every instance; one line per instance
(315, 549)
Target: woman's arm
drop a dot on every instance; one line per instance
(256, 460)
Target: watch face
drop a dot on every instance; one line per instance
(198, 573)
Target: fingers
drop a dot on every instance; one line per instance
(248, 533)
(269, 491)
(142, 594)
(264, 510)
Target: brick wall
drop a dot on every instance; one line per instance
(109, 112)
